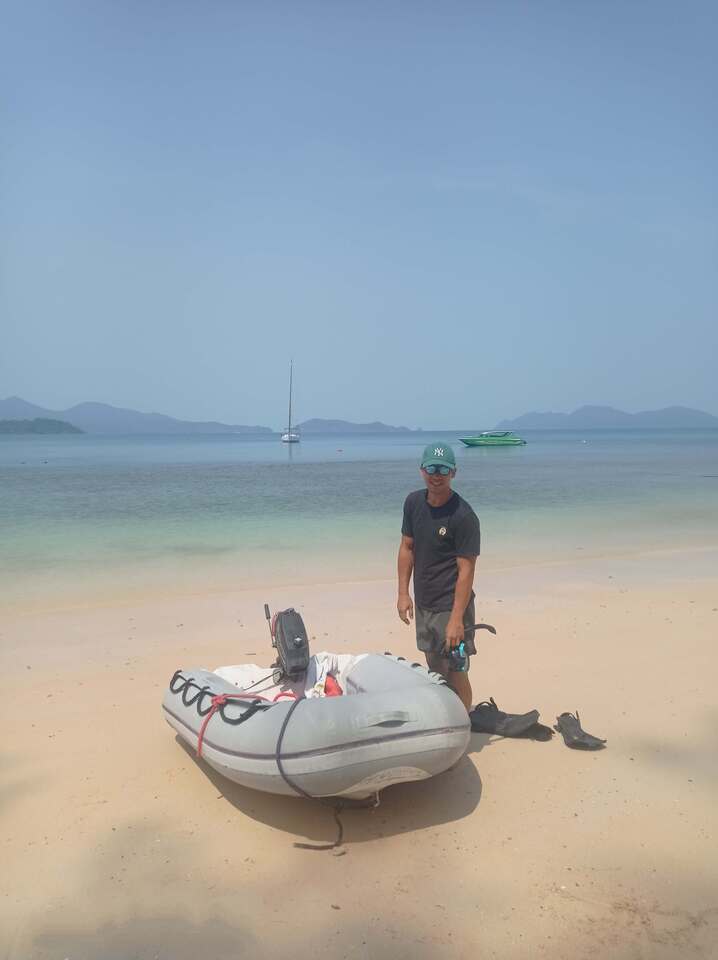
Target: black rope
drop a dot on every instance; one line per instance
(203, 712)
(190, 701)
(254, 706)
(338, 805)
(278, 754)
(184, 687)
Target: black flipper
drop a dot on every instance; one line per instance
(538, 731)
(487, 718)
(569, 726)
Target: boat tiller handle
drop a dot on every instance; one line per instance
(388, 717)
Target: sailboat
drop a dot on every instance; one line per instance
(289, 435)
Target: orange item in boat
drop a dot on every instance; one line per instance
(331, 687)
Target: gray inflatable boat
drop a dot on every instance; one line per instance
(394, 722)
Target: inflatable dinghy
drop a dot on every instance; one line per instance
(393, 722)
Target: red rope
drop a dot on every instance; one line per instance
(217, 702)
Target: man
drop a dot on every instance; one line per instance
(440, 541)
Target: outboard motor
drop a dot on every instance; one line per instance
(289, 637)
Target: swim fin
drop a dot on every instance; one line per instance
(487, 718)
(569, 726)
(537, 731)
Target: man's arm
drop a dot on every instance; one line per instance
(462, 595)
(405, 565)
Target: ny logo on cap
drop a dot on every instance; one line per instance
(438, 451)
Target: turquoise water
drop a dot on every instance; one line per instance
(229, 510)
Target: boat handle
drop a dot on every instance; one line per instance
(388, 716)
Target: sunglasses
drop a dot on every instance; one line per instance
(435, 468)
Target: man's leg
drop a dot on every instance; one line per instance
(437, 663)
(430, 635)
(460, 684)
(429, 640)
(459, 680)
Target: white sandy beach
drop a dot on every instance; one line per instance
(118, 844)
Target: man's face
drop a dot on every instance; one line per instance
(437, 482)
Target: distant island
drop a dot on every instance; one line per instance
(106, 419)
(37, 425)
(608, 418)
(345, 426)
(102, 418)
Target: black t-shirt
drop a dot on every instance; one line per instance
(441, 534)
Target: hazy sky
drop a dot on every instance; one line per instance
(447, 213)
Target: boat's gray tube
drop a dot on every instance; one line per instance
(396, 722)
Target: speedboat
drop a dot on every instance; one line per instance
(493, 438)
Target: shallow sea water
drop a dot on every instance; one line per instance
(85, 514)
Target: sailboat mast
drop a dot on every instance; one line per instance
(289, 428)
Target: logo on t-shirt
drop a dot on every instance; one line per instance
(442, 531)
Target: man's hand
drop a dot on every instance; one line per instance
(454, 633)
(405, 607)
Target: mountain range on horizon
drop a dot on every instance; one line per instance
(103, 418)
(609, 418)
(346, 426)
(92, 417)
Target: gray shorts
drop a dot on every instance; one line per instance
(431, 634)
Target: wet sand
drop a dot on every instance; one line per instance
(117, 843)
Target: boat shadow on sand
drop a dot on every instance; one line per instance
(403, 808)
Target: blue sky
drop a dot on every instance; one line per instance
(446, 213)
